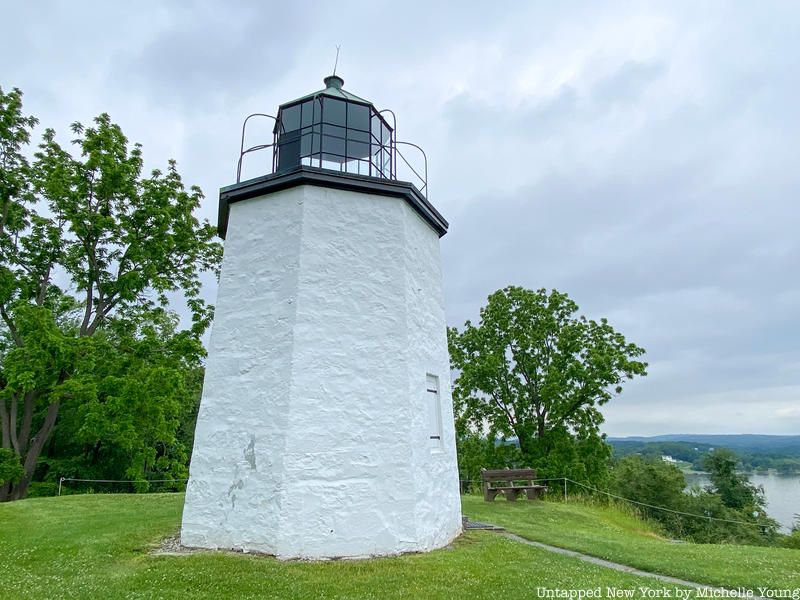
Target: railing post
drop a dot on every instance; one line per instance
(60, 481)
(565, 489)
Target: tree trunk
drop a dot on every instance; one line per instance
(5, 491)
(27, 420)
(20, 490)
(526, 445)
(5, 426)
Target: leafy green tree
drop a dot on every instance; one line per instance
(146, 388)
(734, 488)
(698, 515)
(535, 371)
(85, 241)
(651, 481)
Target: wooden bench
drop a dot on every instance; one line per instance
(507, 481)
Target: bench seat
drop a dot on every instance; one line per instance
(496, 481)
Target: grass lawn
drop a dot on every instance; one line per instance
(97, 546)
(614, 535)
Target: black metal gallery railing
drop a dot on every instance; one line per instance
(349, 145)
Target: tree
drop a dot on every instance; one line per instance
(130, 427)
(651, 481)
(734, 488)
(84, 242)
(533, 370)
(699, 515)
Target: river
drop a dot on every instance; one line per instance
(782, 493)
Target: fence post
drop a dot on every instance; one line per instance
(60, 481)
(565, 489)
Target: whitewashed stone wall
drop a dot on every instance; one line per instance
(313, 438)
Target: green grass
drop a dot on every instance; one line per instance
(614, 535)
(97, 546)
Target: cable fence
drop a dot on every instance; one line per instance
(555, 484)
(129, 485)
(474, 485)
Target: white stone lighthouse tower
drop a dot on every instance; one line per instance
(326, 422)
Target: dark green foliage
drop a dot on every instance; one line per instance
(10, 468)
(734, 489)
(146, 390)
(685, 451)
(784, 458)
(793, 539)
(658, 484)
(534, 371)
(653, 482)
(94, 371)
(787, 445)
(476, 452)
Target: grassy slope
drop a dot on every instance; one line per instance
(613, 535)
(95, 546)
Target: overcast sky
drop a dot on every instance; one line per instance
(641, 157)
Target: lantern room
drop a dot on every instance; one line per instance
(336, 130)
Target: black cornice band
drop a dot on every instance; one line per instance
(331, 179)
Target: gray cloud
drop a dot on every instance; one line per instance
(204, 56)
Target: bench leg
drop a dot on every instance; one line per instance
(511, 495)
(532, 494)
(489, 495)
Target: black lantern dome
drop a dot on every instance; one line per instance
(333, 129)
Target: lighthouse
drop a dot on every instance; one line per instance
(325, 427)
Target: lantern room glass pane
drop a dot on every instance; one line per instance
(290, 118)
(358, 136)
(332, 145)
(289, 150)
(333, 130)
(334, 111)
(357, 149)
(376, 126)
(308, 113)
(309, 144)
(357, 117)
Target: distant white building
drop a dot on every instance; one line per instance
(668, 459)
(326, 423)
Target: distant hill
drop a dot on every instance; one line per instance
(788, 445)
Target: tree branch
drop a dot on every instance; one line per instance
(575, 405)
(91, 279)
(533, 386)
(43, 284)
(11, 327)
(103, 310)
(501, 405)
